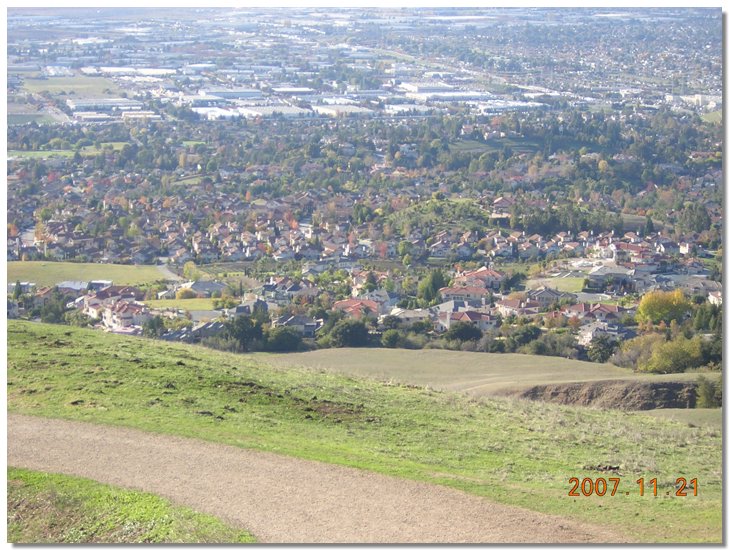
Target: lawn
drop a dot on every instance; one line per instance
(517, 452)
(191, 304)
(52, 273)
(53, 508)
(193, 180)
(25, 118)
(81, 86)
(714, 117)
(563, 284)
(477, 374)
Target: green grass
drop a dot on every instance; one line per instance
(194, 180)
(478, 148)
(477, 374)
(25, 118)
(40, 154)
(52, 273)
(714, 117)
(563, 284)
(517, 452)
(191, 304)
(53, 508)
(81, 86)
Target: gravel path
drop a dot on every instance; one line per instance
(280, 499)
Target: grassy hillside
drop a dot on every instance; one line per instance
(53, 508)
(52, 273)
(517, 452)
(476, 374)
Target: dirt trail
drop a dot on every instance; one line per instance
(280, 499)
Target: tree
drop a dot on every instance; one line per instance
(54, 309)
(660, 305)
(244, 331)
(601, 348)
(636, 353)
(522, 336)
(708, 393)
(675, 356)
(463, 331)
(391, 322)
(191, 272)
(17, 291)
(153, 327)
(349, 333)
(185, 294)
(391, 338)
(370, 282)
(282, 339)
(430, 285)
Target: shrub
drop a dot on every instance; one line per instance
(463, 331)
(349, 333)
(391, 338)
(184, 294)
(283, 339)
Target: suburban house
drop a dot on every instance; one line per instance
(483, 277)
(305, 325)
(545, 296)
(204, 289)
(407, 317)
(590, 331)
(357, 308)
(122, 314)
(483, 321)
(465, 293)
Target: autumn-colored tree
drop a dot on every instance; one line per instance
(185, 294)
(663, 306)
(676, 355)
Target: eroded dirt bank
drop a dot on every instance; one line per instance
(616, 394)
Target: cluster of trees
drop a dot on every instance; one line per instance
(245, 334)
(663, 354)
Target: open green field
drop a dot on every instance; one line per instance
(88, 151)
(191, 304)
(25, 118)
(53, 508)
(478, 147)
(714, 117)
(563, 284)
(477, 374)
(40, 154)
(194, 180)
(52, 273)
(82, 86)
(517, 452)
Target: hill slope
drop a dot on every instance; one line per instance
(515, 452)
(477, 374)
